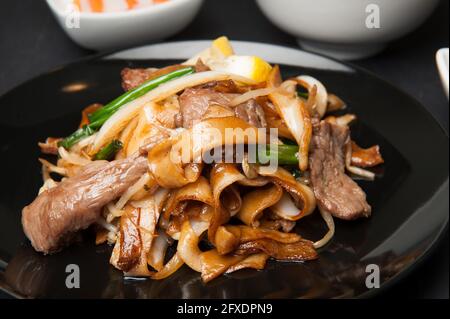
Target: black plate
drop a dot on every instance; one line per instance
(409, 197)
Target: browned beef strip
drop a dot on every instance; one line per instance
(252, 113)
(335, 191)
(76, 202)
(195, 101)
(132, 78)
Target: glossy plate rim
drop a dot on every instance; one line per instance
(275, 54)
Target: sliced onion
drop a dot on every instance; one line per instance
(251, 95)
(321, 96)
(328, 218)
(286, 208)
(294, 113)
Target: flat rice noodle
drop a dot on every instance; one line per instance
(226, 240)
(304, 197)
(168, 158)
(136, 235)
(222, 175)
(366, 157)
(231, 200)
(188, 246)
(255, 202)
(300, 251)
(254, 182)
(229, 237)
(199, 191)
(277, 223)
(256, 261)
(247, 234)
(298, 120)
(166, 172)
(147, 228)
(170, 268)
(146, 129)
(213, 264)
(197, 213)
(127, 251)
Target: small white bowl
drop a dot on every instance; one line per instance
(114, 30)
(338, 27)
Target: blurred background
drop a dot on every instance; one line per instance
(33, 42)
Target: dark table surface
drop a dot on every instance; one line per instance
(31, 42)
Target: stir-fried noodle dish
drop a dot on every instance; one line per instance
(209, 163)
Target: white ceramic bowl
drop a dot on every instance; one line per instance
(114, 30)
(338, 27)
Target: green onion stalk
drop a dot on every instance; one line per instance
(109, 151)
(284, 154)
